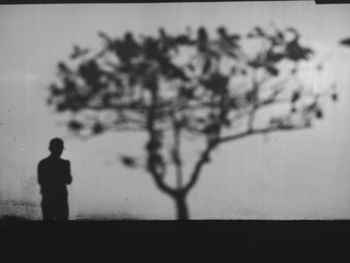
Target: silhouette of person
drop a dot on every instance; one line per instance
(53, 177)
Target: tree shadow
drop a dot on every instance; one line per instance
(137, 84)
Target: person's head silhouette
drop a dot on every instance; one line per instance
(56, 147)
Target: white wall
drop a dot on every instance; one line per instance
(300, 175)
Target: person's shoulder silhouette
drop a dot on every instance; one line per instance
(54, 172)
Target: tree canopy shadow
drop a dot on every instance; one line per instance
(197, 86)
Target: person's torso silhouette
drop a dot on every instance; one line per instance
(53, 177)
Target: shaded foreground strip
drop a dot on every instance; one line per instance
(164, 241)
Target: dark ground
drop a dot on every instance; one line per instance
(175, 241)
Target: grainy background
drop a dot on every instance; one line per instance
(298, 175)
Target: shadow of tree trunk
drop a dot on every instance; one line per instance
(182, 211)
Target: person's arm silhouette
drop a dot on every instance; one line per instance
(40, 174)
(42, 180)
(68, 175)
